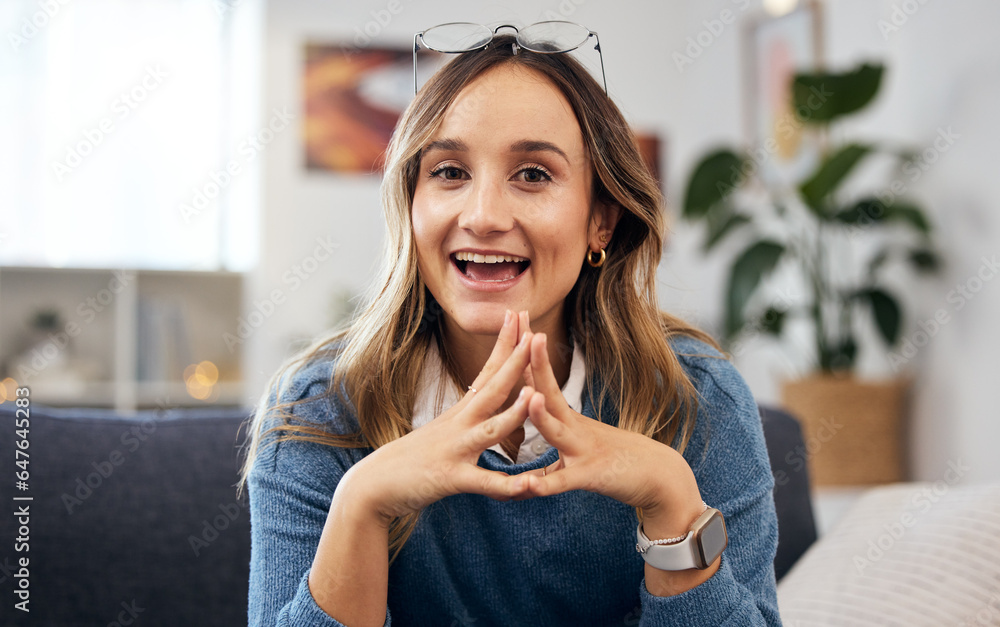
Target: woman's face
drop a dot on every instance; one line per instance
(502, 211)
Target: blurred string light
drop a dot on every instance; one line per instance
(8, 390)
(777, 8)
(201, 379)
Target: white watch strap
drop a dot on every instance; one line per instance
(677, 556)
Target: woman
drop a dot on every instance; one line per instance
(476, 447)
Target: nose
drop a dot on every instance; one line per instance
(488, 210)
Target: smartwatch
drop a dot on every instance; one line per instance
(702, 545)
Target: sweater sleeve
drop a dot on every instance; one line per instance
(291, 485)
(729, 458)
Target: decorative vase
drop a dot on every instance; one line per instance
(855, 432)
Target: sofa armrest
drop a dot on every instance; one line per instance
(792, 499)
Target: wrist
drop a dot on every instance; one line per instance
(356, 503)
(673, 501)
(674, 511)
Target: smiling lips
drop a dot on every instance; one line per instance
(490, 268)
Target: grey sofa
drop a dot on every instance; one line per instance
(136, 519)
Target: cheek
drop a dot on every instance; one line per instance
(566, 242)
(426, 227)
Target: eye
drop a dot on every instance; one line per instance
(447, 173)
(534, 174)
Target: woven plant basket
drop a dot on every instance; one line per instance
(854, 431)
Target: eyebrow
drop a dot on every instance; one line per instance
(447, 144)
(524, 145)
(534, 145)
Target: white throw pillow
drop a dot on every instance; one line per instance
(905, 554)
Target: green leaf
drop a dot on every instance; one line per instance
(713, 179)
(750, 267)
(925, 260)
(877, 262)
(830, 174)
(821, 97)
(910, 214)
(886, 311)
(870, 211)
(863, 212)
(719, 227)
(773, 321)
(841, 357)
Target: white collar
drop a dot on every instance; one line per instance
(435, 393)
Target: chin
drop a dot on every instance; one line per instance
(481, 318)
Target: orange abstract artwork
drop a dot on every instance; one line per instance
(353, 98)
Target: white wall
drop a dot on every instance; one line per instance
(943, 72)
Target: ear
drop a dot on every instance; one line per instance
(603, 220)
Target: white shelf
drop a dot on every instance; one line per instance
(131, 334)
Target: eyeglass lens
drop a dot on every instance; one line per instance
(552, 37)
(456, 37)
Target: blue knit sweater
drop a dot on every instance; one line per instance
(568, 559)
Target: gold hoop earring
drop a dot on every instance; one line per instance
(600, 260)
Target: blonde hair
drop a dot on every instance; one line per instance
(611, 312)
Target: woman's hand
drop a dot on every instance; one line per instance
(626, 466)
(440, 458)
(623, 465)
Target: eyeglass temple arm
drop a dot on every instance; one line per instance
(600, 55)
(416, 47)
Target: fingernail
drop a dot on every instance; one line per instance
(506, 318)
(523, 393)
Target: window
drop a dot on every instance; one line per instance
(121, 123)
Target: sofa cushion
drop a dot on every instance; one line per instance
(131, 516)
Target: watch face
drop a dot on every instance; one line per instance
(713, 539)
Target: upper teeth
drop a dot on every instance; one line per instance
(477, 258)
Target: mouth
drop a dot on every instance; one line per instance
(484, 268)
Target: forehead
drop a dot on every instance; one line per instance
(512, 102)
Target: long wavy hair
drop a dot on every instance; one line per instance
(611, 312)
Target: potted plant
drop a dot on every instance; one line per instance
(811, 233)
